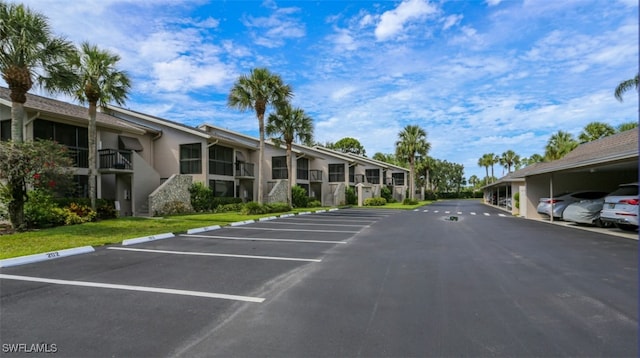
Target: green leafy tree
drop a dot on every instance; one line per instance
(257, 91)
(509, 159)
(595, 130)
(412, 143)
(625, 86)
(474, 181)
(97, 82)
(559, 145)
(32, 164)
(387, 158)
(287, 125)
(29, 53)
(348, 145)
(486, 161)
(627, 126)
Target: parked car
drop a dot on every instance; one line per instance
(621, 207)
(585, 212)
(561, 201)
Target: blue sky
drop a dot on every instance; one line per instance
(478, 76)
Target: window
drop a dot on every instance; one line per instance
(336, 173)
(222, 188)
(191, 158)
(220, 160)
(5, 130)
(303, 169)
(279, 168)
(398, 178)
(352, 174)
(76, 139)
(373, 176)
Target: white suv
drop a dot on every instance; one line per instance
(621, 207)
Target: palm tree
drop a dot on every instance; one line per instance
(97, 82)
(29, 53)
(485, 161)
(627, 126)
(595, 130)
(492, 159)
(474, 181)
(625, 86)
(257, 91)
(412, 142)
(509, 159)
(559, 145)
(287, 124)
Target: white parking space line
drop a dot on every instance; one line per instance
(266, 239)
(447, 212)
(425, 211)
(436, 211)
(487, 214)
(309, 224)
(502, 215)
(134, 288)
(459, 212)
(306, 230)
(215, 254)
(319, 219)
(472, 213)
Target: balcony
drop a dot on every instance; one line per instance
(245, 170)
(315, 175)
(79, 156)
(112, 160)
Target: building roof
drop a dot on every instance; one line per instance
(133, 115)
(69, 111)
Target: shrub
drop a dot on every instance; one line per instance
(299, 197)
(375, 202)
(314, 204)
(201, 197)
(409, 201)
(516, 198)
(174, 207)
(350, 196)
(253, 208)
(41, 211)
(228, 208)
(386, 194)
(278, 207)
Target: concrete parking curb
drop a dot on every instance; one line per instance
(147, 238)
(21, 260)
(202, 229)
(238, 223)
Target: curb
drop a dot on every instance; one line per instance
(147, 238)
(21, 260)
(202, 229)
(238, 223)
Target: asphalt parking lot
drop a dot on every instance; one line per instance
(351, 282)
(104, 303)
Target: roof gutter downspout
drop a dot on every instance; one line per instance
(213, 143)
(158, 136)
(551, 194)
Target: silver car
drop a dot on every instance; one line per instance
(585, 212)
(621, 207)
(561, 201)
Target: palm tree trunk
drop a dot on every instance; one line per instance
(17, 122)
(260, 156)
(92, 154)
(289, 173)
(486, 167)
(411, 177)
(16, 205)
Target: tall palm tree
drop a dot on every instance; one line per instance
(98, 82)
(257, 91)
(494, 160)
(595, 130)
(286, 125)
(29, 53)
(559, 145)
(509, 159)
(412, 142)
(625, 86)
(626, 126)
(485, 161)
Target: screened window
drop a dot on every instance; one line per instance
(303, 169)
(373, 176)
(398, 178)
(220, 160)
(222, 188)
(352, 174)
(336, 173)
(279, 168)
(191, 158)
(5, 130)
(76, 139)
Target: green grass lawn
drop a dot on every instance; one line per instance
(116, 230)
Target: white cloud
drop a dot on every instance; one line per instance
(493, 2)
(451, 20)
(393, 22)
(274, 30)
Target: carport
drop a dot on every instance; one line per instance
(600, 165)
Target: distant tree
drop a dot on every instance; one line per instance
(412, 143)
(257, 91)
(347, 145)
(474, 181)
(494, 160)
(29, 53)
(509, 159)
(97, 81)
(559, 145)
(627, 126)
(286, 125)
(625, 86)
(486, 161)
(31, 164)
(595, 130)
(387, 158)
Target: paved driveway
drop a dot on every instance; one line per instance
(346, 283)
